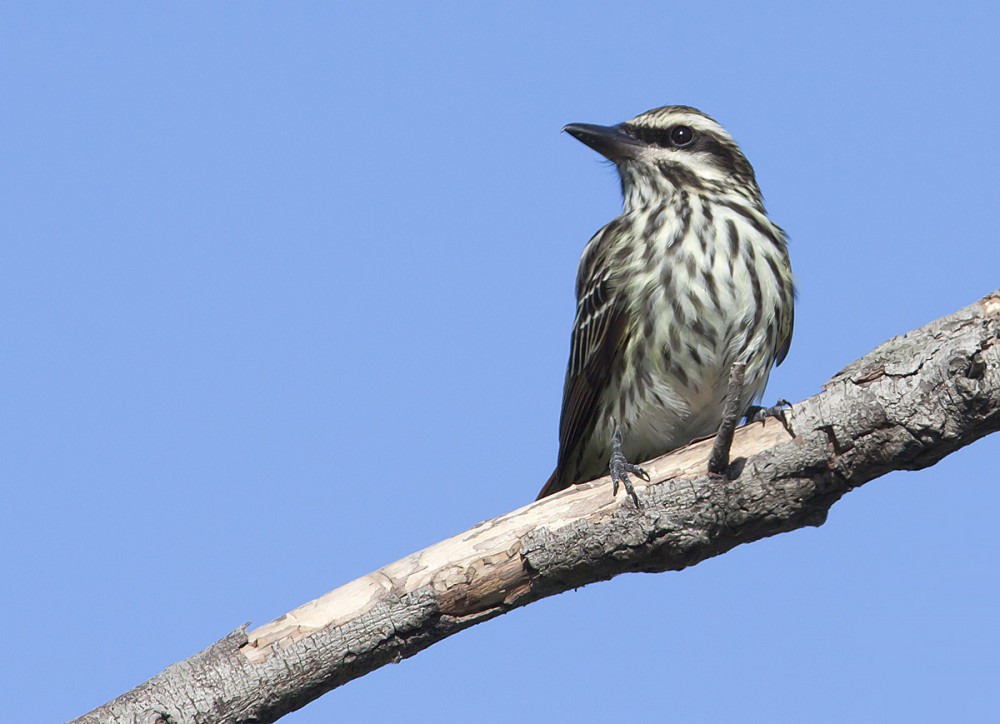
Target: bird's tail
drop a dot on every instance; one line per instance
(552, 485)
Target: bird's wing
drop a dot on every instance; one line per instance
(599, 333)
(786, 341)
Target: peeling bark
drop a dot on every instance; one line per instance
(904, 406)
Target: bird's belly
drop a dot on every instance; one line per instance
(674, 413)
(683, 395)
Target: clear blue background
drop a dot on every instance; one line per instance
(286, 295)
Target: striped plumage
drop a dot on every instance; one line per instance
(690, 278)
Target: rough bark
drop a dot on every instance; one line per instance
(904, 406)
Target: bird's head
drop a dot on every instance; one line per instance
(668, 149)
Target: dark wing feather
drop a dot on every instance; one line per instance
(787, 341)
(599, 333)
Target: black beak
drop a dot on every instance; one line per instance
(609, 141)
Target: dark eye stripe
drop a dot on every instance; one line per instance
(653, 136)
(679, 136)
(727, 154)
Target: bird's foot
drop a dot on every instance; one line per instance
(756, 413)
(620, 467)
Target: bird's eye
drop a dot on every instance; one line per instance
(681, 135)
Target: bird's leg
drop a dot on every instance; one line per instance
(620, 466)
(718, 461)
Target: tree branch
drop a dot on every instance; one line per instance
(904, 406)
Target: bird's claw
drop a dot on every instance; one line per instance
(620, 468)
(756, 413)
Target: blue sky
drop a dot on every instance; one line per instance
(287, 291)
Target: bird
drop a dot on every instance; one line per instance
(691, 278)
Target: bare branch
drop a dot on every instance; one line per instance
(904, 406)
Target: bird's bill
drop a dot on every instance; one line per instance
(609, 141)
